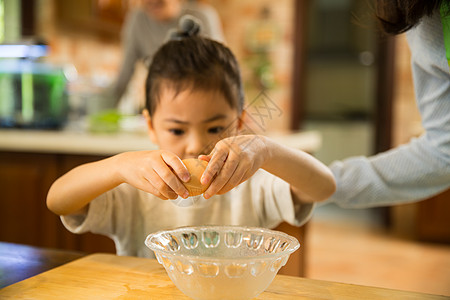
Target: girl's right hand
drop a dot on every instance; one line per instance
(157, 172)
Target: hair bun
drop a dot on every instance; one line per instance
(187, 26)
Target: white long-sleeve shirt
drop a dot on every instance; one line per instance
(421, 168)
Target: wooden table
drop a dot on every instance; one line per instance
(107, 276)
(19, 262)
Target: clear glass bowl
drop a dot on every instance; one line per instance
(221, 262)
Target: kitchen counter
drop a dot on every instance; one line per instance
(86, 143)
(107, 276)
(19, 262)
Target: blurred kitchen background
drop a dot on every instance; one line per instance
(321, 63)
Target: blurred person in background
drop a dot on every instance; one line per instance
(421, 168)
(146, 28)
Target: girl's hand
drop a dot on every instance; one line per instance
(232, 161)
(156, 172)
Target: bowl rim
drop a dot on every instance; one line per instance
(294, 245)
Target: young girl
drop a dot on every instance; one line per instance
(194, 108)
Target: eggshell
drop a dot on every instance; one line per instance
(196, 167)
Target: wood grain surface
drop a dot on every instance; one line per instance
(107, 276)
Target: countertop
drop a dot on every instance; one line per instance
(19, 262)
(83, 142)
(107, 276)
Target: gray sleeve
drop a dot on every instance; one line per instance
(405, 174)
(130, 53)
(421, 168)
(211, 24)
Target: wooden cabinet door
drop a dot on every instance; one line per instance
(25, 179)
(433, 222)
(296, 263)
(87, 242)
(24, 182)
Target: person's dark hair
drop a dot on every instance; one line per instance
(194, 62)
(397, 16)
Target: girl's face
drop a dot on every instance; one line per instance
(192, 122)
(162, 10)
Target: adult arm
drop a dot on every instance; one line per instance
(130, 54)
(421, 168)
(211, 24)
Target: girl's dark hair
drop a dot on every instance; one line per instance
(397, 16)
(194, 62)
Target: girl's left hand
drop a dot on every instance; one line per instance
(232, 161)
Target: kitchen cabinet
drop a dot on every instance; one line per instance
(433, 223)
(102, 18)
(425, 221)
(25, 179)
